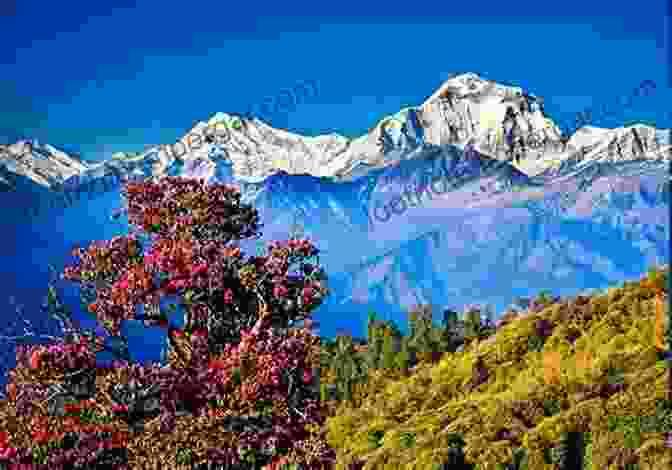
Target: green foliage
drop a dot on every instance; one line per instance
(403, 357)
(380, 347)
(184, 456)
(41, 452)
(535, 343)
(455, 439)
(412, 321)
(370, 319)
(264, 407)
(376, 438)
(88, 415)
(236, 378)
(615, 375)
(588, 452)
(290, 466)
(664, 415)
(345, 388)
(520, 458)
(450, 337)
(422, 338)
(450, 318)
(375, 347)
(551, 407)
(570, 443)
(623, 378)
(472, 323)
(347, 369)
(407, 440)
(249, 455)
(324, 392)
(519, 461)
(388, 351)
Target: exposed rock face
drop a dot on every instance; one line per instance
(498, 119)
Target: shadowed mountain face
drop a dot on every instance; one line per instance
(493, 237)
(471, 197)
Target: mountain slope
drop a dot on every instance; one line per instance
(583, 365)
(473, 194)
(466, 107)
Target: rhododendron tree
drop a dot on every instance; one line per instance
(234, 352)
(190, 260)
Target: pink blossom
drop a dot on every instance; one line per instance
(119, 408)
(175, 284)
(307, 298)
(199, 269)
(7, 452)
(199, 332)
(104, 445)
(217, 364)
(280, 291)
(35, 358)
(228, 296)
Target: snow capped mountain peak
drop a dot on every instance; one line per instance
(591, 146)
(41, 163)
(473, 194)
(470, 84)
(501, 121)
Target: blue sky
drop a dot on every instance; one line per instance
(101, 79)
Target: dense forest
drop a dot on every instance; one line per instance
(555, 384)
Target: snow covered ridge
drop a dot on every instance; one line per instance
(42, 163)
(500, 121)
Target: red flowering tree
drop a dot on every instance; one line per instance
(191, 268)
(234, 349)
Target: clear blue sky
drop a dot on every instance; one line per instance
(102, 79)
(105, 78)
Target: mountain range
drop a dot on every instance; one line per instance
(474, 196)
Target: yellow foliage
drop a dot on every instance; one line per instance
(662, 322)
(433, 403)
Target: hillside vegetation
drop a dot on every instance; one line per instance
(558, 379)
(588, 372)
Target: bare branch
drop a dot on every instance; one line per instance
(70, 328)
